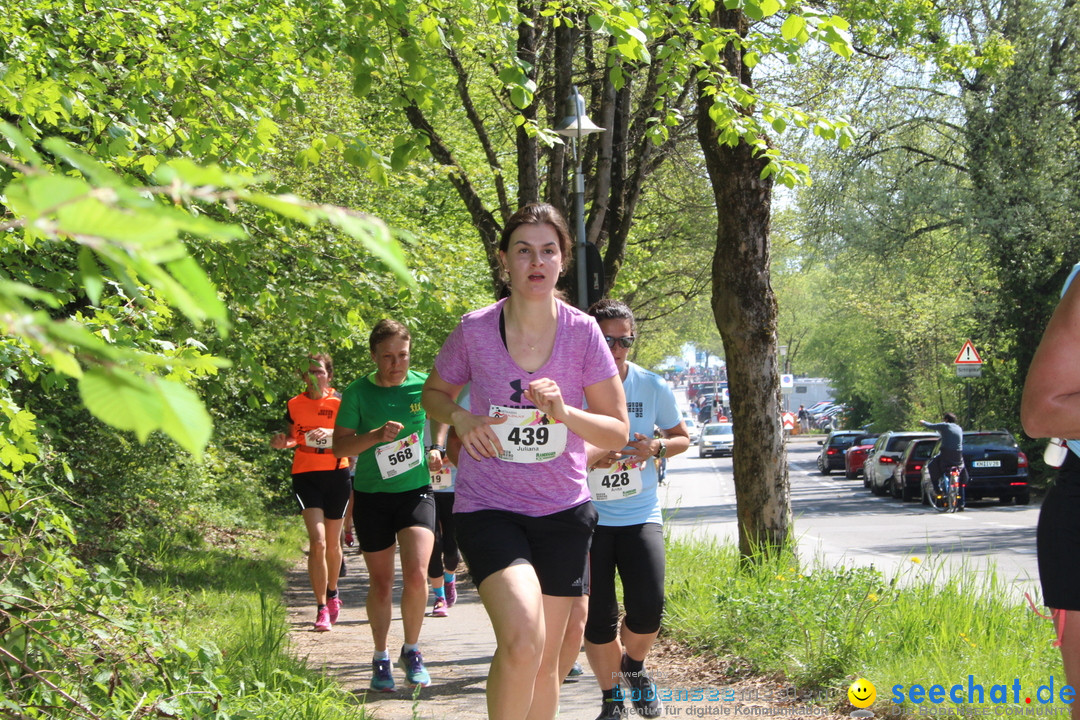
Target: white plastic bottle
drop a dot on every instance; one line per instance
(1055, 452)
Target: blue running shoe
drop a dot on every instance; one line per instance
(575, 673)
(412, 662)
(381, 678)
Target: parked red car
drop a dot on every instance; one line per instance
(855, 456)
(907, 477)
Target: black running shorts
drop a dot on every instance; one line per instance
(636, 554)
(556, 545)
(379, 516)
(325, 489)
(1058, 539)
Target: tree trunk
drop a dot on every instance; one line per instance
(744, 308)
(528, 159)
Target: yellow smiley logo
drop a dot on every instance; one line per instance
(862, 693)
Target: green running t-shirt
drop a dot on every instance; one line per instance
(392, 467)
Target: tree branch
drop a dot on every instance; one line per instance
(478, 124)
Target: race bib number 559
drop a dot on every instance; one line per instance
(528, 435)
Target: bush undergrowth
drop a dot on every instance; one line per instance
(202, 635)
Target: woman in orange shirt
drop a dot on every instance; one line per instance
(320, 482)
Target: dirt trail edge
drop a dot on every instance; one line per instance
(457, 651)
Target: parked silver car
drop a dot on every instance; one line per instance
(692, 426)
(716, 439)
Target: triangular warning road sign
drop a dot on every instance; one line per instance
(968, 355)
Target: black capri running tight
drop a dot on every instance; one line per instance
(444, 556)
(637, 553)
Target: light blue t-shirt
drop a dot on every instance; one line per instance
(650, 404)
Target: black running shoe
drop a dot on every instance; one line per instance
(642, 692)
(612, 710)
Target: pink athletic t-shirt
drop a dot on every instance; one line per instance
(475, 353)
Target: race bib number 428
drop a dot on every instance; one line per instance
(528, 435)
(617, 482)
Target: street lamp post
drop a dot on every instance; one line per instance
(575, 125)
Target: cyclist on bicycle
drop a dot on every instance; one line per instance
(951, 453)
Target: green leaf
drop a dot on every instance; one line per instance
(770, 7)
(200, 225)
(64, 363)
(519, 97)
(95, 219)
(98, 174)
(91, 276)
(285, 205)
(11, 290)
(794, 25)
(195, 281)
(183, 417)
(361, 82)
(46, 192)
(80, 338)
(122, 400)
(22, 145)
(187, 171)
(399, 158)
(376, 237)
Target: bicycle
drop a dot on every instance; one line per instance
(947, 499)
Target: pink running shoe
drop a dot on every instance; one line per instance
(334, 606)
(440, 608)
(322, 621)
(451, 592)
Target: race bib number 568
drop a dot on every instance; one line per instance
(399, 456)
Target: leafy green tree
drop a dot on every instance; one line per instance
(1021, 136)
(511, 66)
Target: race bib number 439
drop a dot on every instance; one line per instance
(528, 435)
(399, 456)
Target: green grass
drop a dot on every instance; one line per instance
(227, 594)
(822, 627)
(819, 627)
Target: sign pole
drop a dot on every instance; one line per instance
(968, 365)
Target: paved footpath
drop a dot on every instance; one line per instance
(457, 650)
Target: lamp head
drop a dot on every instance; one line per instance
(575, 123)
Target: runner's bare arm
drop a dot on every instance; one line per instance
(1050, 405)
(284, 440)
(347, 443)
(474, 431)
(676, 438)
(605, 424)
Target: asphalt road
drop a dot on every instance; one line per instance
(844, 524)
